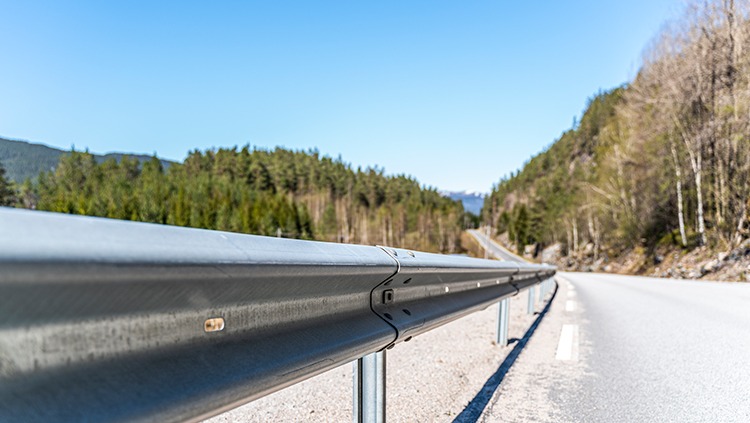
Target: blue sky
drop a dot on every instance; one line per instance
(455, 93)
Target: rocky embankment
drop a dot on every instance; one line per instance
(699, 263)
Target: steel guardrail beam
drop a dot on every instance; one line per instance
(106, 320)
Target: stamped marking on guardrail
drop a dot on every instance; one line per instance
(567, 349)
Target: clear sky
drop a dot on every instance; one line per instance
(455, 93)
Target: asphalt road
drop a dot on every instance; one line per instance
(620, 348)
(495, 249)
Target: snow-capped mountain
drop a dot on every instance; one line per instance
(472, 200)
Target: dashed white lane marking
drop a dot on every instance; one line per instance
(567, 349)
(570, 305)
(571, 294)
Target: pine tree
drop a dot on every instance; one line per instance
(7, 193)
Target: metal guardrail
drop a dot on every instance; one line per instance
(105, 320)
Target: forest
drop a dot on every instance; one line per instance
(662, 160)
(279, 192)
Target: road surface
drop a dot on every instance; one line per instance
(632, 349)
(495, 250)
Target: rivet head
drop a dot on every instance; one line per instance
(214, 324)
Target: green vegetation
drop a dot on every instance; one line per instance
(663, 160)
(7, 193)
(277, 193)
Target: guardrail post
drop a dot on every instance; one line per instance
(369, 388)
(546, 288)
(503, 316)
(530, 303)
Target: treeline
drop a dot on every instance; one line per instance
(278, 193)
(663, 160)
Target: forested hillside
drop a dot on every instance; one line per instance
(278, 193)
(662, 161)
(23, 160)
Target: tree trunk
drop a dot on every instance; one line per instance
(575, 238)
(695, 162)
(737, 239)
(678, 183)
(699, 195)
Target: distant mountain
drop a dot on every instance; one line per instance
(22, 159)
(473, 201)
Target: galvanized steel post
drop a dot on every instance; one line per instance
(547, 287)
(503, 317)
(530, 303)
(369, 388)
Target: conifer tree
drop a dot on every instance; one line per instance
(7, 193)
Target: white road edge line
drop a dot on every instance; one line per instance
(567, 349)
(570, 305)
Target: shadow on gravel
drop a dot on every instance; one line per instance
(474, 410)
